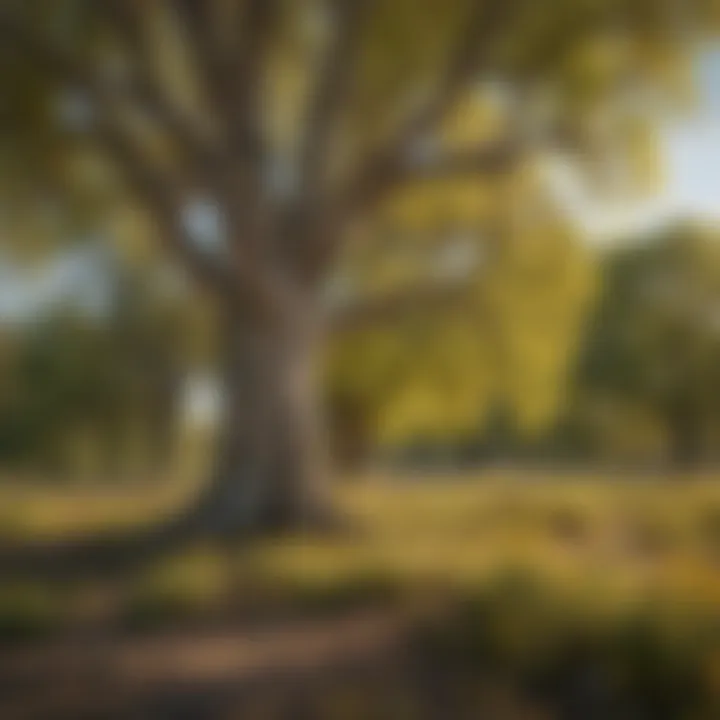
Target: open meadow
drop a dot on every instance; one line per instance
(517, 594)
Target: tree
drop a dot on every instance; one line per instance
(654, 344)
(503, 357)
(72, 377)
(284, 125)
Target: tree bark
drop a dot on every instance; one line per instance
(271, 464)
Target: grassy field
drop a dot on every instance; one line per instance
(510, 574)
(614, 542)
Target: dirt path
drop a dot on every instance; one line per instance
(192, 675)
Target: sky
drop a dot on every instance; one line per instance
(693, 149)
(79, 278)
(690, 160)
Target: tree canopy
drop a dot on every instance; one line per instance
(338, 101)
(281, 152)
(653, 347)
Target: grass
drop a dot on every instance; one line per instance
(634, 541)
(528, 576)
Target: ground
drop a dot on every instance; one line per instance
(498, 595)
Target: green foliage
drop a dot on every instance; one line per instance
(576, 58)
(653, 347)
(518, 628)
(440, 374)
(71, 379)
(579, 67)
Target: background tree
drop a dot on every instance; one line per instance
(653, 348)
(260, 137)
(422, 378)
(81, 384)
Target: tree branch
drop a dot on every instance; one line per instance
(235, 173)
(486, 23)
(141, 92)
(155, 188)
(196, 21)
(232, 76)
(398, 305)
(225, 169)
(127, 18)
(333, 85)
(490, 159)
(254, 35)
(388, 166)
(248, 151)
(162, 198)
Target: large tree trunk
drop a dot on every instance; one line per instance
(270, 472)
(271, 467)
